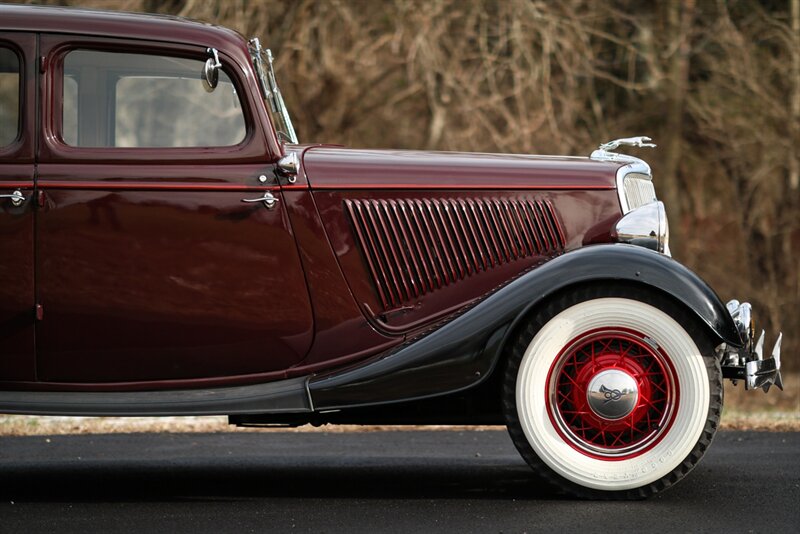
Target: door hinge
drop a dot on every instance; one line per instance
(40, 198)
(43, 64)
(39, 312)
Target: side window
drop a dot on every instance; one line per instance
(134, 100)
(9, 97)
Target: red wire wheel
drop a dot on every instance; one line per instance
(612, 394)
(607, 395)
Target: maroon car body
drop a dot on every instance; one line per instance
(373, 286)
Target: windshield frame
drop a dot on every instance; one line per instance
(271, 94)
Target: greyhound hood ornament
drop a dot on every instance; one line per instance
(604, 151)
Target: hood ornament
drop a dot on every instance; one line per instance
(604, 151)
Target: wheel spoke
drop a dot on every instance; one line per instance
(626, 355)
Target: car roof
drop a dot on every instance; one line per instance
(67, 20)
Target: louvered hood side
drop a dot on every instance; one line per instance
(419, 235)
(417, 246)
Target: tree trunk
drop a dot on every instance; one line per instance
(792, 231)
(794, 152)
(679, 22)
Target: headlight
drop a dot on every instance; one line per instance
(645, 226)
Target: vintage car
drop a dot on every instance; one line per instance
(170, 249)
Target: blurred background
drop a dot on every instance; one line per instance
(716, 84)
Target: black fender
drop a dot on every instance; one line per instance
(464, 351)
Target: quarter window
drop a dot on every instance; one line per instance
(135, 100)
(9, 97)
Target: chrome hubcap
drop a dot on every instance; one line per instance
(612, 394)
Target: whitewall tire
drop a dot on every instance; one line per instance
(608, 395)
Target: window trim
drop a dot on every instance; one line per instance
(254, 147)
(12, 148)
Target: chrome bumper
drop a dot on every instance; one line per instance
(747, 363)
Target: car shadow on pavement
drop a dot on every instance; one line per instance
(157, 481)
(353, 466)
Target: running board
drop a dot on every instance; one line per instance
(285, 396)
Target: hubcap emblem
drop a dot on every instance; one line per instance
(612, 394)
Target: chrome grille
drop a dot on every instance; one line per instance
(415, 246)
(639, 190)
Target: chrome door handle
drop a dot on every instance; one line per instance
(17, 198)
(268, 199)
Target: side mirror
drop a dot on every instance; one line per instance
(210, 74)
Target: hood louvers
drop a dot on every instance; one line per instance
(414, 246)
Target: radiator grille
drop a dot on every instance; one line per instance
(414, 246)
(639, 190)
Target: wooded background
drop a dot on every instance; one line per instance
(716, 84)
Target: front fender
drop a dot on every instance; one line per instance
(463, 352)
(637, 265)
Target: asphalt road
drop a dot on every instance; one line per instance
(367, 482)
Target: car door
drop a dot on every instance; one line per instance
(17, 119)
(150, 266)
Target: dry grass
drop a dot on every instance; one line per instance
(737, 400)
(23, 425)
(771, 421)
(752, 410)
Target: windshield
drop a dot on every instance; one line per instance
(272, 95)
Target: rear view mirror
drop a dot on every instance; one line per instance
(210, 74)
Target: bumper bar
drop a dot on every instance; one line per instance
(747, 363)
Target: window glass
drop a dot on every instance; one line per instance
(70, 115)
(9, 97)
(134, 100)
